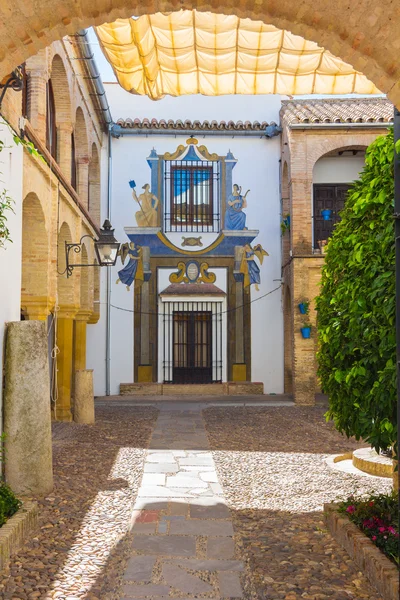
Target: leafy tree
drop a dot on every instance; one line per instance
(356, 307)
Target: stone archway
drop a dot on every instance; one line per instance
(364, 34)
(35, 260)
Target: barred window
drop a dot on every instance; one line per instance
(331, 197)
(192, 196)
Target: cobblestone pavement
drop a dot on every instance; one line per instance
(183, 545)
(126, 524)
(271, 465)
(97, 472)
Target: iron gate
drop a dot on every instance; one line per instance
(192, 342)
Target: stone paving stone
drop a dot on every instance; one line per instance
(185, 482)
(153, 479)
(160, 468)
(202, 527)
(229, 585)
(148, 528)
(216, 488)
(178, 508)
(146, 516)
(211, 511)
(151, 503)
(183, 581)
(167, 458)
(140, 568)
(196, 461)
(209, 477)
(168, 545)
(163, 527)
(145, 591)
(202, 564)
(220, 548)
(158, 491)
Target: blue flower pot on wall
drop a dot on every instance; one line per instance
(306, 332)
(302, 308)
(286, 220)
(326, 214)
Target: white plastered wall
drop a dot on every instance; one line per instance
(11, 159)
(257, 169)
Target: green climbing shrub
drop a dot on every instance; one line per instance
(356, 307)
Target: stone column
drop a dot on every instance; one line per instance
(64, 132)
(27, 410)
(84, 397)
(65, 335)
(83, 180)
(36, 68)
(81, 320)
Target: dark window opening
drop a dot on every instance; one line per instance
(73, 163)
(25, 93)
(192, 196)
(331, 197)
(51, 128)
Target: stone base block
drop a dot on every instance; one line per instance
(84, 397)
(27, 410)
(381, 572)
(239, 372)
(193, 389)
(18, 529)
(245, 388)
(145, 373)
(140, 389)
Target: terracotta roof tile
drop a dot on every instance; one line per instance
(193, 125)
(346, 110)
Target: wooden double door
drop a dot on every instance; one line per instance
(192, 347)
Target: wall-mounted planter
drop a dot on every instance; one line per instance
(303, 308)
(326, 214)
(306, 332)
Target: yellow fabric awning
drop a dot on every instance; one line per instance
(190, 52)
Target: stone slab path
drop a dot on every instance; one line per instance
(183, 544)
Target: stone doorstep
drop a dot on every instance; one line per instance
(231, 388)
(17, 530)
(379, 570)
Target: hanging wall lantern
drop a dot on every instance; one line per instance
(106, 248)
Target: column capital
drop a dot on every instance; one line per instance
(83, 314)
(37, 308)
(68, 311)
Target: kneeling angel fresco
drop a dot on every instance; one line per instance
(134, 269)
(249, 267)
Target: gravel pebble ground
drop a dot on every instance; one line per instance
(78, 551)
(271, 464)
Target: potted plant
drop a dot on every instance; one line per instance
(326, 214)
(322, 246)
(285, 224)
(304, 307)
(306, 330)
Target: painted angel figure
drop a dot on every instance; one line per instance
(147, 216)
(235, 218)
(134, 269)
(249, 267)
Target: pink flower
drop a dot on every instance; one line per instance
(382, 529)
(392, 530)
(351, 509)
(371, 503)
(373, 538)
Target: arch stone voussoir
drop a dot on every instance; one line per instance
(365, 34)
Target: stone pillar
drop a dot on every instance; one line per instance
(84, 397)
(145, 369)
(64, 132)
(239, 372)
(83, 180)
(65, 335)
(80, 323)
(27, 410)
(36, 68)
